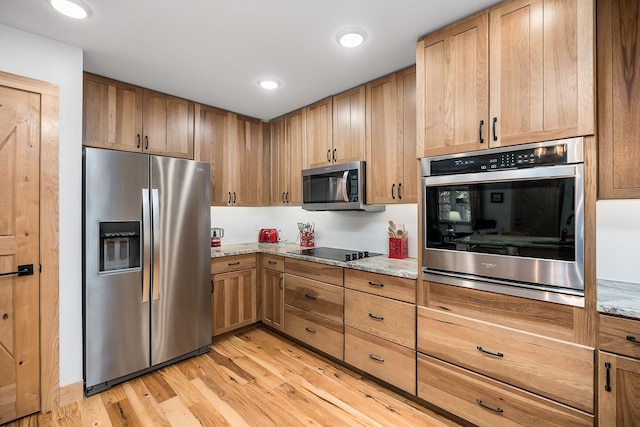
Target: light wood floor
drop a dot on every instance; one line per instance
(252, 378)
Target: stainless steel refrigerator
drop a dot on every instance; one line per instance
(146, 266)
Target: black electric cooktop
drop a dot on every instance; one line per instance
(336, 254)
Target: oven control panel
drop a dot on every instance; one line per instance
(515, 159)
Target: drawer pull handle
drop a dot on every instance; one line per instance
(376, 358)
(233, 263)
(633, 339)
(490, 353)
(374, 317)
(310, 296)
(377, 285)
(607, 386)
(498, 410)
(272, 262)
(308, 329)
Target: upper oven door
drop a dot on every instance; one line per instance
(521, 225)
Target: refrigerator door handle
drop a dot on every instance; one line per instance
(155, 212)
(146, 257)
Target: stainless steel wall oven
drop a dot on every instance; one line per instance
(507, 220)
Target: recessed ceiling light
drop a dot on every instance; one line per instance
(351, 37)
(70, 8)
(269, 83)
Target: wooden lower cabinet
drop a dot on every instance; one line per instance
(619, 390)
(315, 297)
(383, 359)
(234, 301)
(272, 292)
(487, 402)
(323, 334)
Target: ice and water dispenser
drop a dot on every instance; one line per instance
(119, 245)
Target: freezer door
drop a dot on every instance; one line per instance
(181, 289)
(116, 316)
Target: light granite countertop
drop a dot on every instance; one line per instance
(619, 298)
(407, 268)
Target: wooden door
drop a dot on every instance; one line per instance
(279, 167)
(295, 129)
(19, 245)
(408, 163)
(168, 125)
(234, 301)
(383, 144)
(212, 145)
(319, 134)
(452, 68)
(542, 70)
(618, 99)
(273, 299)
(112, 114)
(619, 393)
(349, 126)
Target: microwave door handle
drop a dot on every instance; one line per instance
(155, 212)
(563, 171)
(345, 177)
(146, 241)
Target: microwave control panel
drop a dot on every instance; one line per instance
(516, 159)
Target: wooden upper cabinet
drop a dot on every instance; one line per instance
(167, 125)
(278, 162)
(112, 114)
(542, 70)
(618, 99)
(349, 126)
(249, 162)
(319, 134)
(213, 133)
(295, 124)
(452, 87)
(391, 139)
(123, 117)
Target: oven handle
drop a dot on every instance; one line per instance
(562, 171)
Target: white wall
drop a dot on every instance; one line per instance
(617, 239)
(348, 230)
(36, 57)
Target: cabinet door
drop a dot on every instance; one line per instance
(273, 298)
(295, 131)
(112, 114)
(234, 301)
(452, 86)
(619, 394)
(278, 160)
(408, 163)
(349, 126)
(249, 177)
(212, 145)
(383, 141)
(319, 134)
(618, 99)
(168, 125)
(542, 70)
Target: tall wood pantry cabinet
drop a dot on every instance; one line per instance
(522, 71)
(128, 118)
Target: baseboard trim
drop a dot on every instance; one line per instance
(71, 393)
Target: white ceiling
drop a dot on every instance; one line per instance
(214, 51)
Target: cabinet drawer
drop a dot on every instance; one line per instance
(232, 263)
(317, 297)
(621, 336)
(313, 270)
(556, 369)
(273, 262)
(380, 284)
(323, 334)
(486, 402)
(382, 359)
(383, 317)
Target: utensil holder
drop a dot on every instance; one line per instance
(398, 247)
(307, 239)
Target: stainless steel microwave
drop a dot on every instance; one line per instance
(339, 187)
(507, 220)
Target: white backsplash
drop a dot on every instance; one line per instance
(347, 230)
(617, 237)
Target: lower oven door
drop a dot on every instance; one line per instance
(523, 228)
